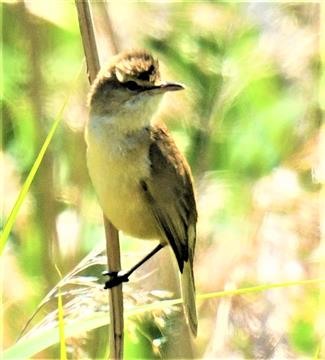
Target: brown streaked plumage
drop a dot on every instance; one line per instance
(143, 183)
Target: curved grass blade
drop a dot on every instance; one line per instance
(24, 190)
(27, 347)
(259, 288)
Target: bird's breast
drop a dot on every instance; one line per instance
(116, 166)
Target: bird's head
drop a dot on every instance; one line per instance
(129, 84)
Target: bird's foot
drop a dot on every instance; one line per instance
(115, 278)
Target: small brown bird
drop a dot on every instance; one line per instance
(143, 183)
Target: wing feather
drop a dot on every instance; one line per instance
(169, 193)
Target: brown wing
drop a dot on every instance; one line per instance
(169, 193)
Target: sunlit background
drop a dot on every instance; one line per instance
(250, 124)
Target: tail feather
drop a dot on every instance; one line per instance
(188, 295)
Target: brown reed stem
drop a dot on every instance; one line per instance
(116, 327)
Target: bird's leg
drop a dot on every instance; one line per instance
(117, 278)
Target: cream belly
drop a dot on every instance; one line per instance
(116, 177)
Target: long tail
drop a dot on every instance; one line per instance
(188, 295)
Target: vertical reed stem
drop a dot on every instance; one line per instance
(112, 239)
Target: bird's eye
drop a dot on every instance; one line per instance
(132, 85)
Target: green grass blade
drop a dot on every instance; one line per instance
(63, 348)
(24, 190)
(259, 288)
(28, 347)
(317, 352)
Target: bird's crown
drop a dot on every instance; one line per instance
(138, 65)
(131, 66)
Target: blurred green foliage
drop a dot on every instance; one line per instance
(304, 337)
(249, 122)
(239, 96)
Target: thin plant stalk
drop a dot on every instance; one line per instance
(116, 327)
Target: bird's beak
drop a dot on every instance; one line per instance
(171, 87)
(164, 87)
